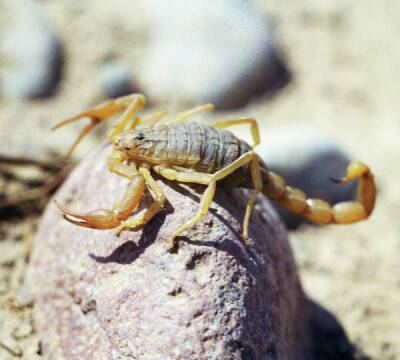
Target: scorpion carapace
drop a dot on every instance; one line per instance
(195, 153)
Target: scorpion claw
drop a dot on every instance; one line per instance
(76, 222)
(99, 219)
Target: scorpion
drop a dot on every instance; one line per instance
(191, 152)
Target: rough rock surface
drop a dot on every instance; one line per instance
(103, 297)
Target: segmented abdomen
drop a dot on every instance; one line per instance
(202, 147)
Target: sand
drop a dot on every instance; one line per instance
(344, 58)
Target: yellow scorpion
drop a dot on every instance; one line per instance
(190, 152)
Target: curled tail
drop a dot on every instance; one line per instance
(319, 211)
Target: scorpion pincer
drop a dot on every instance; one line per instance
(190, 152)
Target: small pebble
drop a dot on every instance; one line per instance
(25, 297)
(222, 53)
(307, 159)
(116, 80)
(32, 55)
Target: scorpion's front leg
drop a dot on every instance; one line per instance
(153, 209)
(132, 104)
(184, 115)
(152, 119)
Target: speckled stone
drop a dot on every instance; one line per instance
(106, 297)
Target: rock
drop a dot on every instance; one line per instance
(116, 80)
(317, 159)
(224, 53)
(107, 297)
(35, 53)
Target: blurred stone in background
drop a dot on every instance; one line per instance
(224, 53)
(307, 159)
(116, 80)
(31, 54)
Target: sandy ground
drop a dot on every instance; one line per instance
(345, 58)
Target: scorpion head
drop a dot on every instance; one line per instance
(134, 142)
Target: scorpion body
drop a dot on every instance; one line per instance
(193, 146)
(195, 153)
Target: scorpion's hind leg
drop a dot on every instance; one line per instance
(255, 131)
(320, 211)
(249, 157)
(131, 103)
(211, 182)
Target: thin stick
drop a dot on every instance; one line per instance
(20, 160)
(50, 184)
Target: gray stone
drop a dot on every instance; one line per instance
(307, 159)
(116, 80)
(99, 296)
(223, 53)
(32, 55)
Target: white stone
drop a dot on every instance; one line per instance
(220, 51)
(31, 55)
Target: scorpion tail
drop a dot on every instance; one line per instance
(319, 211)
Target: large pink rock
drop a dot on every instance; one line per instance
(99, 296)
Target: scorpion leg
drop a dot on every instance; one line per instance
(205, 203)
(211, 181)
(152, 119)
(115, 164)
(255, 132)
(206, 199)
(131, 103)
(109, 219)
(184, 115)
(249, 157)
(320, 211)
(184, 175)
(155, 207)
(123, 122)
